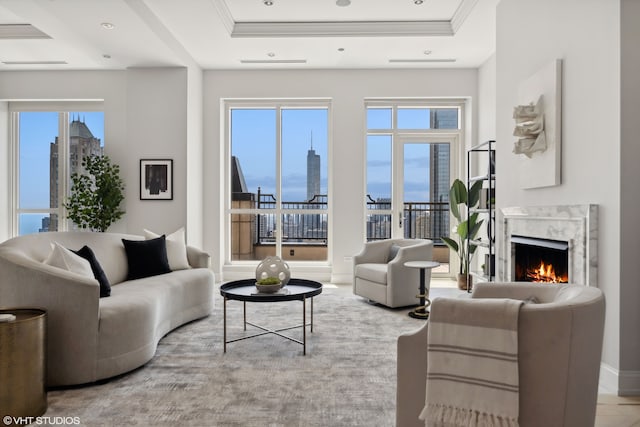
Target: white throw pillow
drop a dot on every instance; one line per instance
(62, 257)
(176, 248)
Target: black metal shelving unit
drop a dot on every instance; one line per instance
(487, 149)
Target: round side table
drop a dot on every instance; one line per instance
(23, 363)
(421, 311)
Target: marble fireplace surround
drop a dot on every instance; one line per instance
(575, 224)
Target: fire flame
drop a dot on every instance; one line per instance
(545, 273)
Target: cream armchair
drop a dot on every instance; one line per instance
(379, 273)
(559, 350)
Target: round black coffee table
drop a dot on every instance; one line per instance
(295, 290)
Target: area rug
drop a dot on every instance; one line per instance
(347, 378)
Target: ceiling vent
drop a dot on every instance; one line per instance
(34, 62)
(409, 61)
(21, 31)
(273, 61)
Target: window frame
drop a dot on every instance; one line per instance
(278, 104)
(63, 109)
(455, 136)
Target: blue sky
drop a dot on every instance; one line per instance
(253, 138)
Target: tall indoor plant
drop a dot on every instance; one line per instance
(467, 227)
(96, 195)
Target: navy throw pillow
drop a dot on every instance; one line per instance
(146, 257)
(86, 253)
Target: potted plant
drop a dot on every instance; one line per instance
(466, 228)
(96, 195)
(269, 285)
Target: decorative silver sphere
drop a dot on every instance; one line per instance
(273, 266)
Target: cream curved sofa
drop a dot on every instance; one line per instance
(559, 351)
(91, 338)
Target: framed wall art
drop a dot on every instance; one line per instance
(156, 179)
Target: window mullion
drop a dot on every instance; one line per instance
(15, 171)
(279, 181)
(63, 168)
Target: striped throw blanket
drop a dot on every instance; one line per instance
(472, 371)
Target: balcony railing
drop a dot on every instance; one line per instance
(422, 220)
(296, 227)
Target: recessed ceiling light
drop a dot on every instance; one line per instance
(343, 3)
(267, 2)
(418, 1)
(271, 54)
(340, 49)
(427, 52)
(107, 25)
(106, 56)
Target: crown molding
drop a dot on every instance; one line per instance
(265, 29)
(225, 14)
(462, 13)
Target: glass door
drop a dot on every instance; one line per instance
(422, 178)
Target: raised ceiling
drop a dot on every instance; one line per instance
(245, 34)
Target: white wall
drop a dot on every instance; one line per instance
(195, 158)
(585, 35)
(487, 100)
(5, 175)
(348, 90)
(157, 129)
(630, 196)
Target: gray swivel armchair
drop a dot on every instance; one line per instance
(559, 350)
(379, 273)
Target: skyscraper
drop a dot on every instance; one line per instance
(313, 172)
(439, 171)
(82, 144)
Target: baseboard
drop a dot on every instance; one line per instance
(621, 383)
(342, 278)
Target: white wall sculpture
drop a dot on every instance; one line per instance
(529, 128)
(537, 127)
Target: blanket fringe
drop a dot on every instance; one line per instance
(436, 415)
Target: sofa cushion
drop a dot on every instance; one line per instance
(62, 257)
(176, 248)
(86, 253)
(146, 257)
(373, 272)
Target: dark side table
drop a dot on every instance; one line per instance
(23, 363)
(421, 311)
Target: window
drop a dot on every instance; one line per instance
(278, 187)
(48, 148)
(411, 162)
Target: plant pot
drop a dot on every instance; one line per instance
(465, 282)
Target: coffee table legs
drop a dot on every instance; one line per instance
(271, 331)
(224, 322)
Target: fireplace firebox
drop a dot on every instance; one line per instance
(540, 260)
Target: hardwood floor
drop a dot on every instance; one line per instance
(617, 411)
